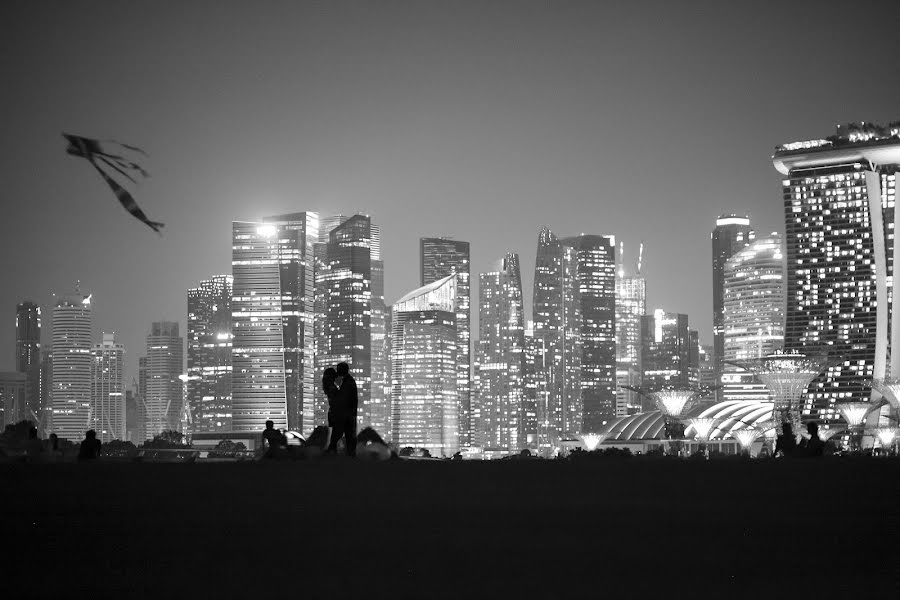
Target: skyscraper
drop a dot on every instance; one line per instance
(28, 354)
(71, 393)
(13, 398)
(631, 305)
(440, 257)
(665, 351)
(596, 259)
(554, 369)
(163, 365)
(501, 357)
(108, 389)
(732, 233)
(424, 403)
(273, 303)
(840, 213)
(753, 314)
(209, 354)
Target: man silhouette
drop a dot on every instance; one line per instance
(813, 446)
(785, 443)
(344, 414)
(90, 447)
(273, 438)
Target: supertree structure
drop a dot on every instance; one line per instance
(787, 375)
(855, 414)
(746, 436)
(593, 440)
(673, 403)
(889, 388)
(887, 436)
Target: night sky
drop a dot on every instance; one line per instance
(478, 120)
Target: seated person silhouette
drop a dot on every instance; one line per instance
(90, 447)
(274, 439)
(786, 444)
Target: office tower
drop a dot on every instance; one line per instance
(376, 407)
(14, 388)
(209, 350)
(424, 402)
(732, 233)
(45, 417)
(131, 417)
(501, 357)
(440, 257)
(840, 212)
(140, 396)
(631, 305)
(164, 362)
(554, 371)
(28, 354)
(273, 370)
(596, 258)
(753, 314)
(351, 282)
(665, 351)
(320, 254)
(71, 393)
(108, 389)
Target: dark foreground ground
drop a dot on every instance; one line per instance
(405, 529)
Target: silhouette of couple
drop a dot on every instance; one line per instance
(343, 400)
(786, 443)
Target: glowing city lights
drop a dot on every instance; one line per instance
(703, 427)
(886, 435)
(673, 403)
(746, 436)
(854, 412)
(592, 440)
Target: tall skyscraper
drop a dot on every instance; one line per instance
(163, 365)
(71, 393)
(209, 350)
(424, 403)
(665, 351)
(440, 257)
(320, 253)
(14, 387)
(108, 389)
(732, 233)
(273, 303)
(754, 304)
(840, 213)
(631, 305)
(501, 357)
(554, 369)
(28, 354)
(596, 256)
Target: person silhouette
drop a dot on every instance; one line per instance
(814, 445)
(274, 438)
(90, 447)
(786, 444)
(347, 402)
(331, 393)
(33, 446)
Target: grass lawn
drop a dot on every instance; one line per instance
(608, 528)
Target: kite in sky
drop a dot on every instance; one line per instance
(110, 154)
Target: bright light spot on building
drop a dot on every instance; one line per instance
(886, 435)
(703, 426)
(267, 230)
(592, 440)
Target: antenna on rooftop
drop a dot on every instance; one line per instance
(640, 260)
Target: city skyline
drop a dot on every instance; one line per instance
(470, 132)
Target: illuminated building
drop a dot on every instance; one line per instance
(596, 272)
(501, 358)
(108, 389)
(554, 367)
(840, 211)
(14, 388)
(355, 325)
(209, 354)
(732, 233)
(163, 363)
(273, 301)
(631, 305)
(424, 401)
(665, 350)
(71, 393)
(440, 257)
(753, 318)
(28, 354)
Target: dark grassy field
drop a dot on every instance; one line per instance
(404, 529)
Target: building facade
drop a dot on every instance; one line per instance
(108, 389)
(501, 358)
(732, 233)
(424, 401)
(163, 365)
(438, 258)
(14, 388)
(71, 376)
(840, 214)
(273, 308)
(554, 365)
(596, 259)
(209, 354)
(28, 354)
(631, 305)
(754, 303)
(666, 351)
